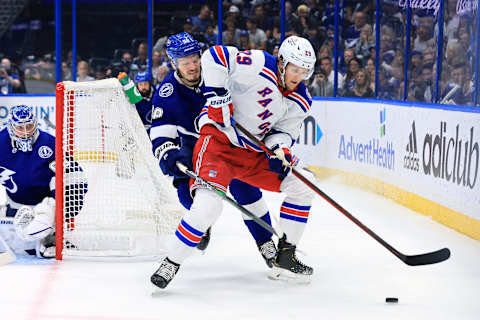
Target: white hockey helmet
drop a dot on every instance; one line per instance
(299, 52)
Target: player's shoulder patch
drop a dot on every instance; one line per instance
(157, 113)
(165, 90)
(45, 152)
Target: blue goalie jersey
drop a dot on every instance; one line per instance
(28, 177)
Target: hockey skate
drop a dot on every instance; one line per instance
(286, 266)
(165, 273)
(268, 250)
(203, 244)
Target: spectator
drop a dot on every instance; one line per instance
(100, 73)
(263, 22)
(66, 72)
(365, 43)
(140, 62)
(257, 36)
(348, 54)
(234, 15)
(321, 86)
(424, 32)
(244, 42)
(370, 66)
(210, 35)
(386, 90)
(361, 89)
(8, 80)
(460, 92)
(354, 66)
(202, 20)
(326, 65)
(231, 35)
(82, 72)
(324, 52)
(352, 33)
(188, 26)
(274, 40)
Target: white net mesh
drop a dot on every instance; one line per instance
(130, 207)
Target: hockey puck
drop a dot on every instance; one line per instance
(391, 300)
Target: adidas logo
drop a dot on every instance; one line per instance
(411, 160)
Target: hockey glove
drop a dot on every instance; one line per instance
(129, 87)
(282, 161)
(173, 154)
(220, 107)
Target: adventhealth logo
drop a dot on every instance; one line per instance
(411, 160)
(374, 151)
(311, 132)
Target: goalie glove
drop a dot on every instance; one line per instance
(282, 160)
(35, 223)
(130, 89)
(220, 107)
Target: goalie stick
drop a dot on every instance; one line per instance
(209, 186)
(411, 260)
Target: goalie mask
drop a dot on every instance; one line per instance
(22, 127)
(299, 52)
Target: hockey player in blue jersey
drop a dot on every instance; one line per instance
(140, 94)
(27, 172)
(176, 104)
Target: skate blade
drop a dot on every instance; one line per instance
(286, 275)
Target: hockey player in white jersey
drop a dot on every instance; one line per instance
(265, 95)
(27, 171)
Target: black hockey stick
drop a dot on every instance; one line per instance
(209, 186)
(415, 260)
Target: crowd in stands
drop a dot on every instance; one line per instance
(256, 25)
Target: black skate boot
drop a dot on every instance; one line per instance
(203, 244)
(165, 273)
(268, 251)
(286, 266)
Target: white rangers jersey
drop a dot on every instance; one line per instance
(271, 114)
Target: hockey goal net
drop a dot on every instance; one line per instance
(111, 197)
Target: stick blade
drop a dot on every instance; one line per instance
(427, 258)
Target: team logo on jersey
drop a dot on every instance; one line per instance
(165, 90)
(212, 174)
(157, 113)
(45, 152)
(6, 179)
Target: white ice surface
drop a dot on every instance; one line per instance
(353, 274)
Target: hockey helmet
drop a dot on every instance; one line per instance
(143, 76)
(299, 52)
(22, 127)
(181, 45)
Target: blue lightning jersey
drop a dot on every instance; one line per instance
(28, 177)
(144, 109)
(175, 107)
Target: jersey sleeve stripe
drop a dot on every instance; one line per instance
(304, 101)
(268, 78)
(163, 131)
(219, 56)
(270, 73)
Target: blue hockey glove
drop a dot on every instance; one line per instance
(169, 158)
(282, 161)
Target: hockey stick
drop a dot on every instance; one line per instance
(414, 260)
(209, 186)
(48, 122)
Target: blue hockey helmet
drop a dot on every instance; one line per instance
(22, 127)
(143, 76)
(181, 45)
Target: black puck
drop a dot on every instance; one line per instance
(391, 300)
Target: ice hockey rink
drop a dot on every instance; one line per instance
(353, 274)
